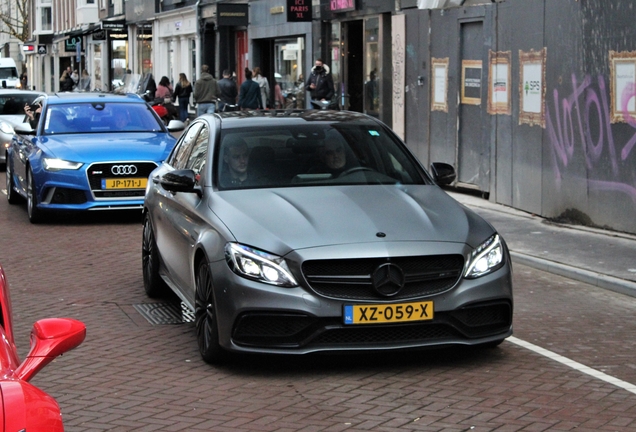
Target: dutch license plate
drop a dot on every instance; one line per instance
(124, 183)
(389, 313)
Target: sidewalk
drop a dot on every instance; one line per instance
(606, 259)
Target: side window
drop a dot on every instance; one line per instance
(182, 150)
(198, 156)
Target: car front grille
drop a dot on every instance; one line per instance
(99, 171)
(352, 279)
(271, 330)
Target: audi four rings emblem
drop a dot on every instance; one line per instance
(124, 170)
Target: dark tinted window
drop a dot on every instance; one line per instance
(317, 154)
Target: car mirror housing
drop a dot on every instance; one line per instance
(176, 125)
(50, 338)
(24, 129)
(184, 180)
(443, 173)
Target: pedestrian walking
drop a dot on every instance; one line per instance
(263, 84)
(279, 99)
(206, 92)
(250, 93)
(66, 82)
(165, 94)
(228, 90)
(24, 81)
(320, 83)
(182, 92)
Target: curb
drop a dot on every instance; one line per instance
(597, 279)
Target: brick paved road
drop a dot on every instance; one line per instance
(130, 375)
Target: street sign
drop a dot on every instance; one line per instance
(41, 49)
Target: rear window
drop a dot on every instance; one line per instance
(320, 154)
(100, 117)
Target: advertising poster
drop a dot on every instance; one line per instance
(439, 84)
(499, 95)
(623, 85)
(532, 87)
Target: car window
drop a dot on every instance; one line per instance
(199, 153)
(100, 117)
(319, 154)
(13, 103)
(182, 149)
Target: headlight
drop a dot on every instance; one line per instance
(487, 258)
(258, 265)
(6, 128)
(59, 164)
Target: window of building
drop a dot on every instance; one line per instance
(46, 22)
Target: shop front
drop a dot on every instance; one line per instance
(357, 48)
(278, 34)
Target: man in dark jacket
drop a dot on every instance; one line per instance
(250, 93)
(320, 82)
(206, 91)
(228, 90)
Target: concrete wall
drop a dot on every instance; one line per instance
(578, 161)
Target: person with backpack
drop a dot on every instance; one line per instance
(250, 93)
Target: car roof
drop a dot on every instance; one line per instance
(264, 118)
(84, 97)
(21, 92)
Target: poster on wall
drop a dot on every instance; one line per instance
(439, 84)
(623, 85)
(499, 95)
(532, 87)
(471, 82)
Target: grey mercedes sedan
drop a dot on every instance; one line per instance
(295, 232)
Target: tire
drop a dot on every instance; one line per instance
(154, 285)
(12, 195)
(205, 319)
(34, 213)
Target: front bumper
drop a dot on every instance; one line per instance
(259, 318)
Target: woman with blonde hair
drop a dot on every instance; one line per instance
(182, 91)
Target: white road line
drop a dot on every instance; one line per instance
(574, 365)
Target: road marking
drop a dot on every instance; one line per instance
(574, 365)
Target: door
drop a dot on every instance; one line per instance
(354, 66)
(473, 153)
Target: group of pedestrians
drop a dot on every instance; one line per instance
(72, 81)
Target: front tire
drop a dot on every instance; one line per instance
(205, 319)
(12, 195)
(34, 213)
(154, 285)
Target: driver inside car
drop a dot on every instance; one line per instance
(334, 159)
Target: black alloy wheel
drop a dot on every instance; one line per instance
(205, 316)
(12, 195)
(34, 213)
(154, 285)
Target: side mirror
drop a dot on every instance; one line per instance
(24, 129)
(176, 125)
(180, 181)
(443, 173)
(50, 338)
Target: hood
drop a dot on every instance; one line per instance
(325, 67)
(206, 76)
(14, 119)
(285, 219)
(150, 146)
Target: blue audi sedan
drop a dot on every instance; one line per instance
(88, 151)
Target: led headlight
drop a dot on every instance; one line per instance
(59, 164)
(258, 265)
(6, 128)
(487, 258)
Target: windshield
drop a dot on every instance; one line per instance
(8, 72)
(100, 117)
(320, 154)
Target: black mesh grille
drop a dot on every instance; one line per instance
(99, 171)
(68, 196)
(351, 279)
(385, 334)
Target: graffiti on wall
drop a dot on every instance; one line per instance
(583, 118)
